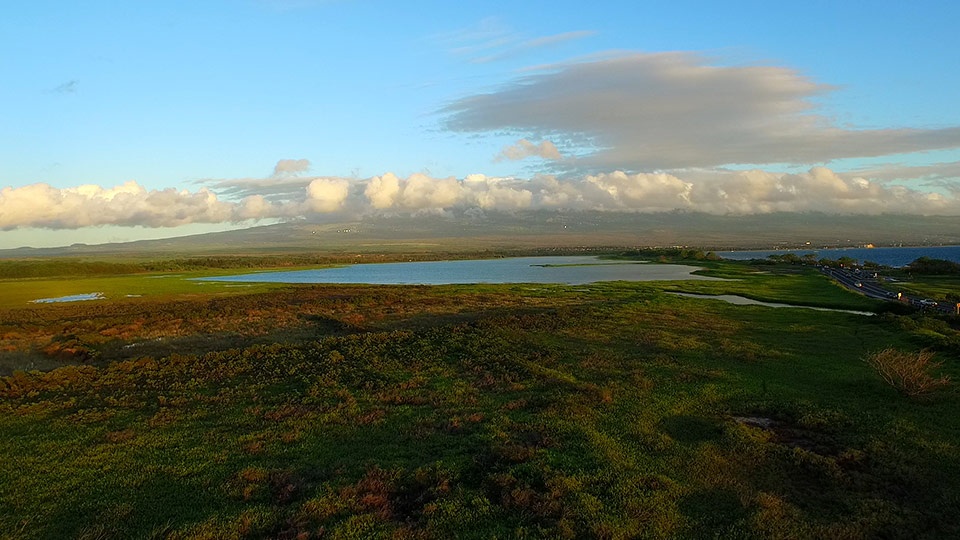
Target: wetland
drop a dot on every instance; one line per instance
(603, 409)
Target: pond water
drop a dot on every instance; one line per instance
(571, 270)
(71, 298)
(744, 301)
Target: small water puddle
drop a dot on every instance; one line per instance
(744, 301)
(71, 298)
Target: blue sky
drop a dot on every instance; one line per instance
(123, 120)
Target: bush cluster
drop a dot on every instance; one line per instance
(908, 372)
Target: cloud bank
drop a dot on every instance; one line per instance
(237, 200)
(675, 110)
(41, 205)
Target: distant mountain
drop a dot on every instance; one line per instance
(473, 230)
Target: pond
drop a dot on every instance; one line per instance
(569, 270)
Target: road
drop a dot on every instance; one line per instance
(869, 287)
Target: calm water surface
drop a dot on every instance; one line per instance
(744, 301)
(71, 298)
(560, 270)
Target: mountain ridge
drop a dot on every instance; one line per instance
(470, 231)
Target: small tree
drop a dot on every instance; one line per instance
(847, 262)
(908, 372)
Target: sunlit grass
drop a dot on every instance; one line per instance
(21, 292)
(608, 410)
(801, 286)
(938, 288)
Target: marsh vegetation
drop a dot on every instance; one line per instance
(608, 410)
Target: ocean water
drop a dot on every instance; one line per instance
(888, 256)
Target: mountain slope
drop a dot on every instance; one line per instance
(538, 229)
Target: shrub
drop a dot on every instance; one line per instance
(908, 372)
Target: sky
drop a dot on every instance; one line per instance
(130, 120)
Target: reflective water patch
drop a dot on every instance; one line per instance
(71, 298)
(743, 301)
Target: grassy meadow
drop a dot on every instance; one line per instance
(942, 288)
(20, 292)
(612, 410)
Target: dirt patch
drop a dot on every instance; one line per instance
(793, 436)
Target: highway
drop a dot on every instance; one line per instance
(867, 285)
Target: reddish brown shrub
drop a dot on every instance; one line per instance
(908, 372)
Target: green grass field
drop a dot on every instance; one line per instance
(613, 410)
(934, 287)
(21, 292)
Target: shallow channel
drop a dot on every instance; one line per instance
(744, 301)
(70, 298)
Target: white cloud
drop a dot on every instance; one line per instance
(42, 205)
(257, 207)
(713, 191)
(420, 192)
(675, 110)
(720, 192)
(286, 167)
(523, 149)
(327, 194)
(496, 193)
(382, 191)
(819, 189)
(649, 192)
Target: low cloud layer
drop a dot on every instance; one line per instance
(676, 110)
(42, 205)
(719, 192)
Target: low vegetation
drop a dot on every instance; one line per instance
(74, 267)
(908, 372)
(928, 266)
(612, 410)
